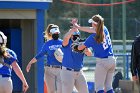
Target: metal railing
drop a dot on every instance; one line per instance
(126, 64)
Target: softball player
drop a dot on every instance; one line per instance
(135, 59)
(8, 60)
(72, 74)
(101, 44)
(53, 67)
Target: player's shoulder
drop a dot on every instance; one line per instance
(105, 29)
(52, 40)
(137, 39)
(11, 53)
(48, 42)
(60, 40)
(92, 35)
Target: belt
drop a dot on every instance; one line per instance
(105, 57)
(70, 69)
(54, 66)
(5, 75)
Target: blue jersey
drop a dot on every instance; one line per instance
(48, 49)
(72, 59)
(4, 70)
(11, 52)
(101, 50)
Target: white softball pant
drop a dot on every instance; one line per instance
(53, 79)
(104, 72)
(6, 85)
(71, 79)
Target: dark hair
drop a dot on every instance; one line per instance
(100, 27)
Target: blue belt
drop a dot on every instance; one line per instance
(70, 69)
(5, 75)
(54, 66)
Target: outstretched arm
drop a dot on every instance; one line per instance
(30, 63)
(68, 36)
(85, 29)
(19, 73)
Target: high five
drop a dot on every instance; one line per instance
(100, 42)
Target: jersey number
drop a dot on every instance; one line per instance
(107, 42)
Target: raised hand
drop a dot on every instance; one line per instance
(74, 21)
(25, 87)
(28, 67)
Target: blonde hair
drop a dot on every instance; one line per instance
(47, 34)
(3, 52)
(99, 29)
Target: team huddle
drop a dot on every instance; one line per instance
(63, 70)
(65, 57)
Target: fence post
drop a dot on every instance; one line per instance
(127, 66)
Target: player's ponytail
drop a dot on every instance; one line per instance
(3, 52)
(47, 34)
(99, 28)
(3, 41)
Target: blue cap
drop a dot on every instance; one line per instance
(76, 33)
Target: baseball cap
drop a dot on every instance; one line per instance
(54, 29)
(3, 38)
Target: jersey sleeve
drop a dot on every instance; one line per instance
(11, 60)
(13, 56)
(42, 52)
(12, 53)
(88, 43)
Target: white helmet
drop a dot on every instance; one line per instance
(3, 38)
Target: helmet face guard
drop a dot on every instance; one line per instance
(75, 36)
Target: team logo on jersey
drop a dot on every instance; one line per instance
(54, 47)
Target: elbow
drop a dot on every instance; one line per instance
(65, 43)
(89, 54)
